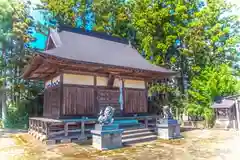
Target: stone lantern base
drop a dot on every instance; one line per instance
(107, 137)
(169, 129)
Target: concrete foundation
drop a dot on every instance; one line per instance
(169, 129)
(107, 137)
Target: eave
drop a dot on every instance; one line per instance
(42, 66)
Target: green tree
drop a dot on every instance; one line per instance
(14, 23)
(211, 36)
(210, 83)
(185, 36)
(66, 12)
(113, 17)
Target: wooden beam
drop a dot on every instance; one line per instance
(33, 65)
(146, 95)
(49, 77)
(110, 80)
(61, 96)
(108, 68)
(96, 106)
(43, 70)
(62, 65)
(84, 73)
(123, 92)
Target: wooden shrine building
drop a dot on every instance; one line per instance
(83, 72)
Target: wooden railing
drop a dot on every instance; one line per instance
(73, 129)
(44, 129)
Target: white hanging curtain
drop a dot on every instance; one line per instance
(121, 94)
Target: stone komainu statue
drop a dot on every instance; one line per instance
(167, 112)
(106, 115)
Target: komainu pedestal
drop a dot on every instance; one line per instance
(107, 136)
(168, 129)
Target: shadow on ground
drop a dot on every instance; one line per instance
(186, 129)
(197, 144)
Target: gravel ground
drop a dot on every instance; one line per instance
(197, 145)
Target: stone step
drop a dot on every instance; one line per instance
(132, 131)
(139, 134)
(139, 140)
(133, 128)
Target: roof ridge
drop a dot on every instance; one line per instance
(101, 35)
(55, 37)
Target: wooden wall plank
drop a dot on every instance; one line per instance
(78, 100)
(110, 97)
(52, 102)
(81, 100)
(135, 101)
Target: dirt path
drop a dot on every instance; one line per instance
(197, 145)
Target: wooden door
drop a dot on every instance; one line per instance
(135, 101)
(109, 97)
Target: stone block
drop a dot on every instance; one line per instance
(36, 135)
(50, 142)
(177, 131)
(80, 139)
(65, 141)
(33, 133)
(42, 138)
(170, 129)
(105, 140)
(39, 136)
(106, 127)
(29, 131)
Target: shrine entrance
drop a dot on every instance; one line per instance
(109, 97)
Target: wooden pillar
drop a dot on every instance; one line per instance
(42, 127)
(35, 125)
(32, 124)
(47, 130)
(146, 122)
(61, 96)
(38, 127)
(82, 129)
(96, 106)
(29, 124)
(146, 94)
(66, 129)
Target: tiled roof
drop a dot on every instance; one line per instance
(99, 48)
(225, 103)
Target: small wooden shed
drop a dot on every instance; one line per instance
(226, 112)
(85, 71)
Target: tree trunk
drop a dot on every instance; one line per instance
(4, 108)
(3, 96)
